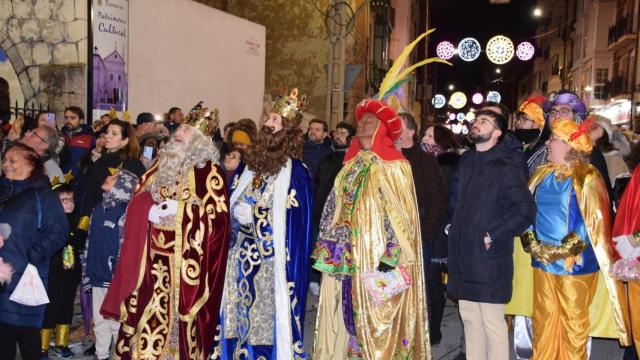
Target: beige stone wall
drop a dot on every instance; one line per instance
(46, 42)
(296, 49)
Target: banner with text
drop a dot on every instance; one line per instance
(110, 25)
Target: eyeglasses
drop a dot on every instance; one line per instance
(35, 133)
(484, 121)
(66, 200)
(562, 112)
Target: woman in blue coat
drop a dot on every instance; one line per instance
(38, 229)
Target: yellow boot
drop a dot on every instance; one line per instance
(62, 335)
(45, 338)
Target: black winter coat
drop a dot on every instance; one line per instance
(489, 194)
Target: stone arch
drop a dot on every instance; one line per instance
(19, 66)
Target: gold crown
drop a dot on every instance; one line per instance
(201, 118)
(66, 180)
(289, 106)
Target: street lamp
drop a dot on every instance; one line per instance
(498, 71)
(588, 88)
(451, 87)
(537, 12)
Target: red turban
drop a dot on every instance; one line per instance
(385, 135)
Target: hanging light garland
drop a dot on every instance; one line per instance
(445, 50)
(525, 51)
(460, 117)
(458, 100)
(500, 49)
(469, 49)
(494, 96)
(439, 101)
(477, 98)
(452, 116)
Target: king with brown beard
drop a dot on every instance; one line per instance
(263, 306)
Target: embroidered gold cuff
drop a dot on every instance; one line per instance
(571, 246)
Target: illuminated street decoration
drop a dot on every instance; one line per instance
(500, 49)
(525, 51)
(470, 116)
(469, 49)
(452, 116)
(445, 50)
(477, 98)
(494, 96)
(439, 101)
(458, 100)
(460, 117)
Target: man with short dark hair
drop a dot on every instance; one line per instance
(175, 118)
(79, 141)
(44, 141)
(317, 145)
(490, 204)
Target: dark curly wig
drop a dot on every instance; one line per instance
(270, 151)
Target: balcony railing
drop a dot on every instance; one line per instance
(621, 28)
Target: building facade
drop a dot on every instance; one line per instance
(590, 47)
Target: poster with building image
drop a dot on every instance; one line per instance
(110, 25)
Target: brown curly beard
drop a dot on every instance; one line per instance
(270, 151)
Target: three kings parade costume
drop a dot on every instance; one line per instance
(168, 282)
(370, 220)
(263, 308)
(569, 291)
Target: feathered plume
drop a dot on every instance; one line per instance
(394, 75)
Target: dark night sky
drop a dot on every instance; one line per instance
(457, 19)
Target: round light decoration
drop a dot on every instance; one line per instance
(494, 96)
(458, 100)
(445, 50)
(477, 98)
(525, 51)
(460, 117)
(439, 101)
(452, 116)
(470, 116)
(469, 49)
(500, 49)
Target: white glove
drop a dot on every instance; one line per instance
(165, 209)
(242, 212)
(624, 246)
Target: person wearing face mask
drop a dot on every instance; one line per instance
(263, 306)
(529, 122)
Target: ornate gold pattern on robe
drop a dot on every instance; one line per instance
(397, 329)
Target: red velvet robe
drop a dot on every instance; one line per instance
(186, 262)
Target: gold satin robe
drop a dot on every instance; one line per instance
(397, 329)
(608, 312)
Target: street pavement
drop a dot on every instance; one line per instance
(448, 349)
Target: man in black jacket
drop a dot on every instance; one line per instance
(491, 204)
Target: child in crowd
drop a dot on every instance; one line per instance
(105, 239)
(65, 272)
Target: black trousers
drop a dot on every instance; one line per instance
(27, 338)
(437, 294)
(62, 293)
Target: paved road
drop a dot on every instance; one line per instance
(448, 349)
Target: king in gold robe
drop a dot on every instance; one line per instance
(370, 221)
